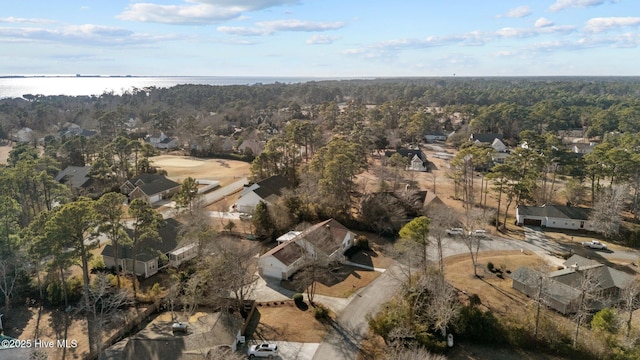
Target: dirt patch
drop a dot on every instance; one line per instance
(180, 167)
(4, 153)
(287, 322)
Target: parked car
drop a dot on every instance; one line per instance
(481, 233)
(455, 231)
(263, 351)
(179, 327)
(594, 244)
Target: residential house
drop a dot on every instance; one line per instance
(146, 262)
(182, 254)
(150, 187)
(326, 241)
(24, 135)
(417, 159)
(162, 141)
(414, 202)
(76, 177)
(583, 148)
(435, 136)
(268, 190)
(221, 330)
(75, 130)
(555, 216)
(485, 138)
(254, 146)
(498, 145)
(561, 289)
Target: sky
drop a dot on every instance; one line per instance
(321, 38)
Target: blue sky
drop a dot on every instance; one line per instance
(327, 38)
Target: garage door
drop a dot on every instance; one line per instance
(272, 272)
(533, 222)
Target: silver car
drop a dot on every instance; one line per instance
(263, 351)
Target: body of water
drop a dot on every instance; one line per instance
(12, 87)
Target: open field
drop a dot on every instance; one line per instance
(180, 167)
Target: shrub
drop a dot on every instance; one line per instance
(320, 312)
(297, 297)
(490, 266)
(73, 287)
(605, 320)
(474, 300)
(362, 242)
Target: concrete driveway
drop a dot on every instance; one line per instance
(288, 350)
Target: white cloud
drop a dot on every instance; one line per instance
(242, 31)
(565, 4)
(86, 35)
(12, 19)
(529, 32)
(602, 24)
(196, 11)
(270, 27)
(322, 40)
(543, 22)
(298, 25)
(519, 12)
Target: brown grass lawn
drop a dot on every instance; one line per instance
(356, 279)
(180, 167)
(496, 294)
(289, 323)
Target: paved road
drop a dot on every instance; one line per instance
(350, 327)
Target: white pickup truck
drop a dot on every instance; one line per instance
(594, 245)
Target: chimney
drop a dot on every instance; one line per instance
(575, 267)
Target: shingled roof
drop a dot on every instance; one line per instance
(555, 211)
(149, 248)
(271, 186)
(74, 176)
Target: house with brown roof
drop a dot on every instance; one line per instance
(326, 241)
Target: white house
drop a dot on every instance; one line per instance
(267, 190)
(435, 136)
(326, 241)
(555, 216)
(162, 141)
(180, 255)
(498, 145)
(582, 148)
(417, 159)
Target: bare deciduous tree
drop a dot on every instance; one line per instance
(631, 301)
(441, 218)
(587, 285)
(106, 305)
(605, 215)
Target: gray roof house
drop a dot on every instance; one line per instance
(268, 190)
(148, 252)
(76, 177)
(485, 138)
(150, 187)
(417, 159)
(560, 290)
(555, 216)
